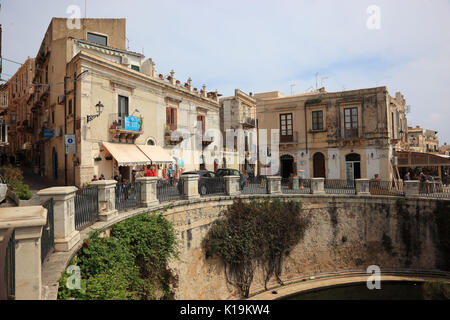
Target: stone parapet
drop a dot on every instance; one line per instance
(232, 185)
(148, 191)
(190, 186)
(106, 199)
(362, 186)
(318, 185)
(27, 223)
(273, 184)
(411, 188)
(66, 236)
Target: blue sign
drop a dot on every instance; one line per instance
(49, 133)
(131, 123)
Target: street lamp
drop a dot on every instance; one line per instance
(99, 107)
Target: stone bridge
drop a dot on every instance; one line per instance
(321, 259)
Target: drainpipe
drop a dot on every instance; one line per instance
(306, 129)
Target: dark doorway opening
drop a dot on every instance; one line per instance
(287, 166)
(319, 165)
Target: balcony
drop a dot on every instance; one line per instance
(248, 122)
(351, 133)
(168, 139)
(289, 139)
(125, 128)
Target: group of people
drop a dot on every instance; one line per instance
(102, 177)
(422, 177)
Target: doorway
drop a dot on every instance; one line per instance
(353, 167)
(319, 165)
(287, 166)
(55, 163)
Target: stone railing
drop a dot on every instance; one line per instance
(29, 221)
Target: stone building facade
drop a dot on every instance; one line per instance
(94, 87)
(336, 135)
(423, 140)
(238, 113)
(3, 118)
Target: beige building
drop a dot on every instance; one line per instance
(423, 140)
(20, 129)
(336, 135)
(3, 118)
(238, 113)
(122, 114)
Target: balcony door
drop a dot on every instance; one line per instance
(351, 122)
(122, 108)
(286, 128)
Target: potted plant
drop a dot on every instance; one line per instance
(186, 85)
(161, 76)
(178, 82)
(291, 181)
(97, 159)
(108, 158)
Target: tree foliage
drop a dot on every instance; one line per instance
(255, 234)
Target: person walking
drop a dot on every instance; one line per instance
(407, 176)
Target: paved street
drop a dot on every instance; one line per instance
(35, 183)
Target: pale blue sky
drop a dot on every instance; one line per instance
(268, 45)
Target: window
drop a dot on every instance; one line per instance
(70, 106)
(286, 133)
(123, 107)
(203, 121)
(97, 39)
(135, 67)
(317, 120)
(171, 118)
(351, 122)
(150, 142)
(53, 116)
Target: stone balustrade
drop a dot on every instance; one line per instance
(106, 199)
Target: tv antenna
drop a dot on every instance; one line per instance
(292, 86)
(317, 74)
(321, 80)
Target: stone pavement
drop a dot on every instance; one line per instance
(36, 183)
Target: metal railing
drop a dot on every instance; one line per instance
(128, 196)
(386, 188)
(288, 186)
(86, 207)
(339, 186)
(211, 186)
(48, 232)
(167, 190)
(8, 266)
(255, 185)
(431, 189)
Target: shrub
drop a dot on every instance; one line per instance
(23, 192)
(436, 290)
(129, 265)
(387, 243)
(252, 234)
(344, 239)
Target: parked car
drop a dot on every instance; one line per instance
(3, 189)
(233, 172)
(208, 182)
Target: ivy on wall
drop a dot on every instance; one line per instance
(252, 234)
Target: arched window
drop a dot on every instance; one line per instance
(150, 142)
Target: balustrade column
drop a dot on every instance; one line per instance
(273, 184)
(190, 186)
(27, 223)
(148, 191)
(318, 185)
(66, 236)
(106, 199)
(362, 186)
(232, 185)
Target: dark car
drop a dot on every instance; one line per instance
(208, 182)
(233, 172)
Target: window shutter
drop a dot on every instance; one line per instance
(168, 115)
(175, 119)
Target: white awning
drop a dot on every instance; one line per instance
(157, 154)
(127, 154)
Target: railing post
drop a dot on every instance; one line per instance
(318, 185)
(106, 199)
(273, 184)
(190, 186)
(27, 223)
(232, 185)
(362, 186)
(148, 191)
(66, 236)
(411, 188)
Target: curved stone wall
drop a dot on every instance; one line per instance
(362, 220)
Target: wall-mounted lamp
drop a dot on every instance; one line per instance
(303, 154)
(99, 107)
(334, 156)
(371, 155)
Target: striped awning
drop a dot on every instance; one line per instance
(127, 154)
(102, 50)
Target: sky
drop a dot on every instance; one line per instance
(283, 45)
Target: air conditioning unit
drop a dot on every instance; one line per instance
(124, 60)
(61, 99)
